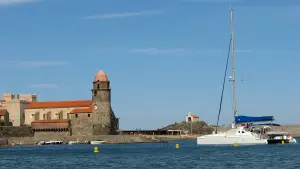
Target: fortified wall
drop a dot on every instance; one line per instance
(13, 131)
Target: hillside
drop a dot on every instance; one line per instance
(199, 127)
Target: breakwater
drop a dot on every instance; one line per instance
(24, 135)
(110, 139)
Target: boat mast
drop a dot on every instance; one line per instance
(232, 63)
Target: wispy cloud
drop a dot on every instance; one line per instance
(15, 2)
(46, 86)
(39, 63)
(123, 15)
(158, 51)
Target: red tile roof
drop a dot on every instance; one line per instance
(83, 110)
(2, 100)
(3, 112)
(194, 116)
(52, 121)
(59, 104)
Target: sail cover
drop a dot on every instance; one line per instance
(249, 119)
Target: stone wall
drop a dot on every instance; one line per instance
(51, 135)
(14, 131)
(102, 117)
(3, 141)
(107, 138)
(21, 140)
(81, 123)
(110, 139)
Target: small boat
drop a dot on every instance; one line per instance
(291, 139)
(73, 142)
(98, 142)
(50, 142)
(40, 143)
(87, 142)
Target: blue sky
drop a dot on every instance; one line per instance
(164, 58)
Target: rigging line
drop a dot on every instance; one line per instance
(224, 80)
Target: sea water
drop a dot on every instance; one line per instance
(151, 155)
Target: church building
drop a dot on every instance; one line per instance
(76, 117)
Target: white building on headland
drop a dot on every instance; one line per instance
(191, 117)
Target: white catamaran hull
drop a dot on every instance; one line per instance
(217, 139)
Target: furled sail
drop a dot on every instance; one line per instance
(249, 119)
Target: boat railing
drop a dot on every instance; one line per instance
(257, 135)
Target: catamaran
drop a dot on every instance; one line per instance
(245, 130)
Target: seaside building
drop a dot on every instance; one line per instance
(191, 118)
(4, 117)
(12, 107)
(57, 118)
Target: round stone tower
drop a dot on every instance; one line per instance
(102, 113)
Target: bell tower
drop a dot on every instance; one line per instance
(102, 112)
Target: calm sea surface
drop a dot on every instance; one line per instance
(146, 156)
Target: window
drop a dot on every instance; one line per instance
(98, 86)
(60, 115)
(37, 116)
(89, 115)
(48, 116)
(76, 115)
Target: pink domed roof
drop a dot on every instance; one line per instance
(101, 76)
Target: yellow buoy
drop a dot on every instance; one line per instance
(235, 144)
(282, 142)
(177, 145)
(96, 150)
